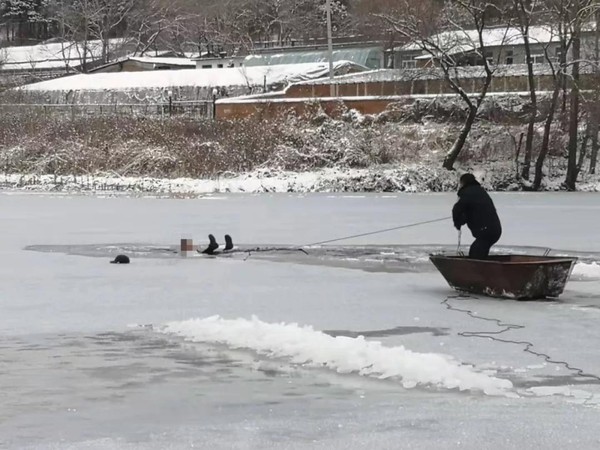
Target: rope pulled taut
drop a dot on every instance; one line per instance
(329, 241)
(386, 230)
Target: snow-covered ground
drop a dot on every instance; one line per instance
(254, 352)
(413, 178)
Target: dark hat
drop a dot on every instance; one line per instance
(468, 179)
(121, 259)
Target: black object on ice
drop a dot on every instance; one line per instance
(120, 259)
(228, 243)
(212, 246)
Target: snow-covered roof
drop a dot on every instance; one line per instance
(435, 73)
(464, 41)
(239, 76)
(171, 61)
(210, 56)
(52, 56)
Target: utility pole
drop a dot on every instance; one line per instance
(330, 49)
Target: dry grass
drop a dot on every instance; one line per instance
(174, 147)
(179, 147)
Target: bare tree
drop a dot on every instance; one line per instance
(524, 11)
(577, 14)
(571, 177)
(557, 73)
(110, 17)
(595, 107)
(458, 31)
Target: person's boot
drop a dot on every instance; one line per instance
(228, 243)
(212, 246)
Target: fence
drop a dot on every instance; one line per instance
(192, 109)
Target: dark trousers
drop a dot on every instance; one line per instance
(480, 249)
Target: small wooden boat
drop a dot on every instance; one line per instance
(507, 276)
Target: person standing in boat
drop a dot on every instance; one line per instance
(476, 209)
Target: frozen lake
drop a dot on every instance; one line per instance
(95, 355)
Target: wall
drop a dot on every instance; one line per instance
(373, 97)
(220, 63)
(425, 87)
(274, 109)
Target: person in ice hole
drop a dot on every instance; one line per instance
(476, 209)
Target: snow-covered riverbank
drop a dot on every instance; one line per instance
(400, 178)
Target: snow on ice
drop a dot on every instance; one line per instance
(306, 346)
(586, 271)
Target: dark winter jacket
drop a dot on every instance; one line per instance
(476, 209)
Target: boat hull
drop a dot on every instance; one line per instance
(517, 277)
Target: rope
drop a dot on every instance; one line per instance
(386, 230)
(371, 233)
(273, 249)
(505, 327)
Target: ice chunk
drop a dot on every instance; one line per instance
(305, 346)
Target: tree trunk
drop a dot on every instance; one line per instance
(563, 61)
(105, 43)
(452, 155)
(524, 19)
(571, 178)
(533, 116)
(539, 164)
(594, 110)
(594, 153)
(518, 154)
(583, 151)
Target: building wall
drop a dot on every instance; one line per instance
(501, 54)
(220, 63)
(374, 97)
(272, 110)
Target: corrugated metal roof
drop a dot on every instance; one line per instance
(371, 57)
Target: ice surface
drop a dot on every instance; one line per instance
(74, 375)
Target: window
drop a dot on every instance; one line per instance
(558, 54)
(489, 56)
(409, 64)
(219, 66)
(538, 59)
(509, 57)
(207, 66)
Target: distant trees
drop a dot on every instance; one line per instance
(24, 20)
(174, 22)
